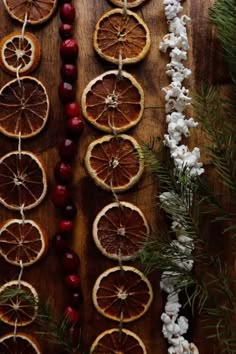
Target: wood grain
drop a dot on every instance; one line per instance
(206, 62)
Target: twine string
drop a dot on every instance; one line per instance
(125, 8)
(15, 329)
(121, 326)
(19, 145)
(20, 274)
(120, 66)
(22, 213)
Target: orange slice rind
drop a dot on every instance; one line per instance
(118, 341)
(36, 11)
(23, 183)
(130, 3)
(22, 242)
(24, 107)
(112, 103)
(119, 37)
(119, 230)
(19, 54)
(122, 294)
(19, 343)
(18, 303)
(115, 163)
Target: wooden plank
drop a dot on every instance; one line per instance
(46, 276)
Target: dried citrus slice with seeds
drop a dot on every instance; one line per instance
(35, 11)
(118, 342)
(112, 103)
(19, 343)
(23, 182)
(19, 53)
(119, 230)
(130, 3)
(22, 241)
(115, 162)
(121, 36)
(24, 107)
(18, 303)
(122, 294)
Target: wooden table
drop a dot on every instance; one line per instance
(206, 62)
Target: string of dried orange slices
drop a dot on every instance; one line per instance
(113, 103)
(24, 110)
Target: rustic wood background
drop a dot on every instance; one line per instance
(206, 62)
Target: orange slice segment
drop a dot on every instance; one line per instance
(119, 230)
(118, 342)
(112, 103)
(122, 294)
(22, 241)
(19, 52)
(119, 35)
(22, 181)
(115, 162)
(24, 107)
(37, 11)
(19, 343)
(18, 303)
(130, 3)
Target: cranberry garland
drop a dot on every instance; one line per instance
(61, 195)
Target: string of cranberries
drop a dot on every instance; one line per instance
(61, 195)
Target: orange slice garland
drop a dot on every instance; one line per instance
(119, 230)
(118, 35)
(36, 11)
(22, 241)
(112, 103)
(122, 294)
(24, 108)
(18, 303)
(130, 3)
(19, 343)
(116, 341)
(22, 181)
(19, 53)
(115, 162)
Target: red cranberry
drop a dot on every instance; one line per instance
(63, 172)
(70, 261)
(74, 126)
(69, 211)
(66, 30)
(67, 13)
(60, 195)
(69, 50)
(65, 226)
(75, 298)
(72, 281)
(66, 92)
(72, 109)
(67, 149)
(60, 243)
(71, 314)
(69, 72)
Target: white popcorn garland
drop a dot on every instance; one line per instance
(177, 99)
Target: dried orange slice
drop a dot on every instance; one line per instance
(19, 343)
(112, 103)
(119, 35)
(22, 241)
(118, 342)
(115, 162)
(24, 107)
(19, 53)
(18, 303)
(36, 11)
(122, 294)
(23, 182)
(119, 230)
(130, 3)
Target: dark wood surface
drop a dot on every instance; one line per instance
(206, 62)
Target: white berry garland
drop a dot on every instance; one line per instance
(176, 100)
